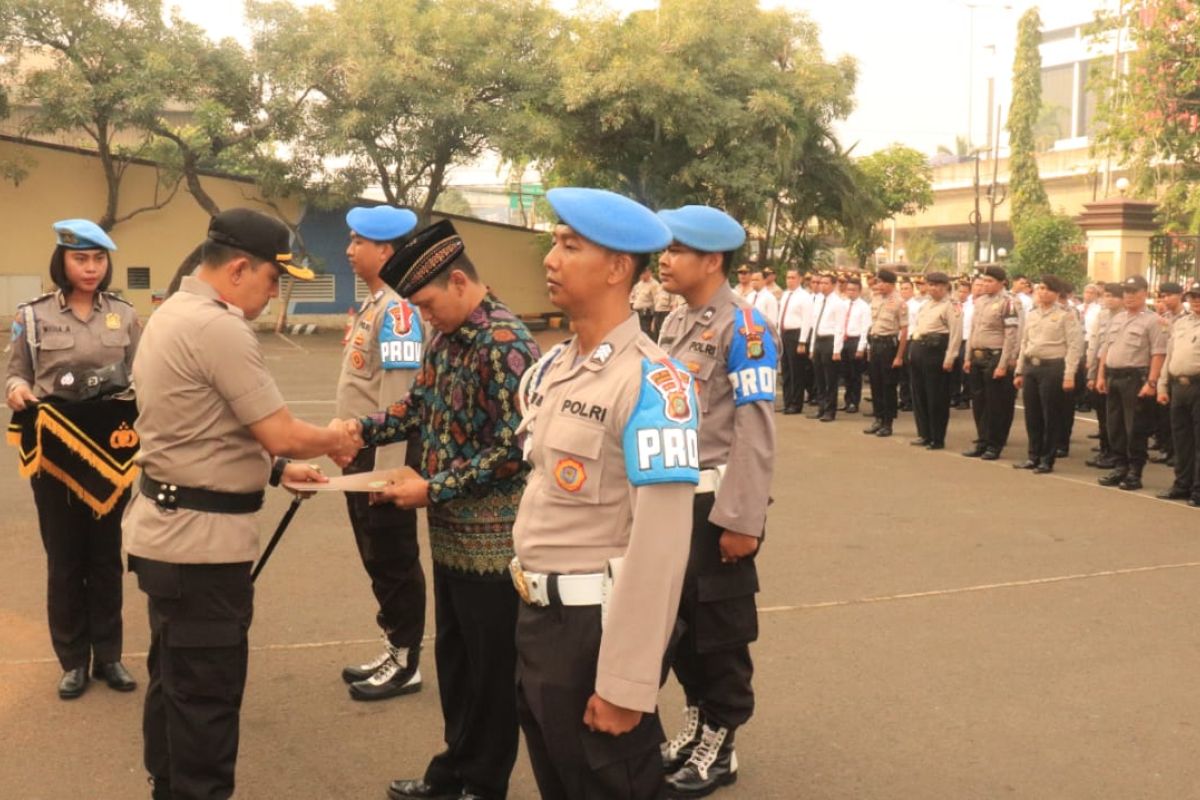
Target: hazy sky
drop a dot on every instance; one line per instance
(914, 56)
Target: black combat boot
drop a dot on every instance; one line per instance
(677, 751)
(713, 764)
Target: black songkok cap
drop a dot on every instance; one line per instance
(425, 256)
(886, 275)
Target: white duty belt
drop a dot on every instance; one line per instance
(552, 589)
(710, 479)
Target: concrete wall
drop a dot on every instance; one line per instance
(65, 183)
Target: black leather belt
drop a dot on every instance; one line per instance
(1126, 372)
(893, 338)
(1035, 361)
(170, 496)
(980, 352)
(934, 339)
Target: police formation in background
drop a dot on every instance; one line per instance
(71, 350)
(381, 354)
(210, 419)
(601, 536)
(731, 350)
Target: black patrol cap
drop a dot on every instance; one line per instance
(1193, 291)
(1135, 283)
(1115, 289)
(886, 275)
(998, 273)
(1170, 287)
(937, 277)
(1055, 284)
(259, 235)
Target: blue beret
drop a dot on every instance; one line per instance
(381, 223)
(610, 220)
(703, 228)
(82, 234)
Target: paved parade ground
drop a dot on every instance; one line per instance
(931, 627)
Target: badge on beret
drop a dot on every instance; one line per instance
(67, 380)
(357, 360)
(112, 321)
(569, 474)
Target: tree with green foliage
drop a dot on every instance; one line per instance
(1149, 114)
(705, 101)
(403, 90)
(1026, 192)
(1051, 243)
(104, 67)
(898, 180)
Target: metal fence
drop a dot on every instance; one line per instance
(1174, 258)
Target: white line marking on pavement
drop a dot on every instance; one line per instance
(259, 649)
(1108, 573)
(310, 402)
(293, 344)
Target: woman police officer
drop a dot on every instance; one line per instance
(77, 344)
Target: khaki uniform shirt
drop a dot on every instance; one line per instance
(940, 317)
(381, 356)
(612, 439)
(66, 345)
(1183, 352)
(1052, 333)
(737, 403)
(642, 296)
(889, 315)
(202, 381)
(1133, 339)
(995, 326)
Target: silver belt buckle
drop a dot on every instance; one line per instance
(1184, 380)
(1037, 362)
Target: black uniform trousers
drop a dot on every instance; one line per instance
(993, 400)
(476, 658)
(960, 381)
(557, 651)
(1099, 403)
(199, 623)
(1045, 408)
(1130, 418)
(1185, 429)
(386, 537)
(659, 318)
(851, 371)
(1163, 428)
(1071, 400)
(904, 381)
(83, 571)
(931, 388)
(794, 373)
(825, 371)
(646, 321)
(883, 376)
(718, 619)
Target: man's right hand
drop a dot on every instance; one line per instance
(1102, 386)
(20, 397)
(349, 441)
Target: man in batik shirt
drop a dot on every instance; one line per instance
(463, 403)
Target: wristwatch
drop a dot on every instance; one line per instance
(277, 470)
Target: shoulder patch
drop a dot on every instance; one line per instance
(752, 359)
(661, 440)
(400, 338)
(18, 328)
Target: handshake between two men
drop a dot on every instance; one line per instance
(402, 487)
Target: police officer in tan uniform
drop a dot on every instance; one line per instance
(936, 337)
(1111, 301)
(731, 350)
(63, 341)
(1179, 388)
(1131, 359)
(887, 339)
(382, 353)
(991, 356)
(1050, 351)
(602, 531)
(641, 297)
(210, 418)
